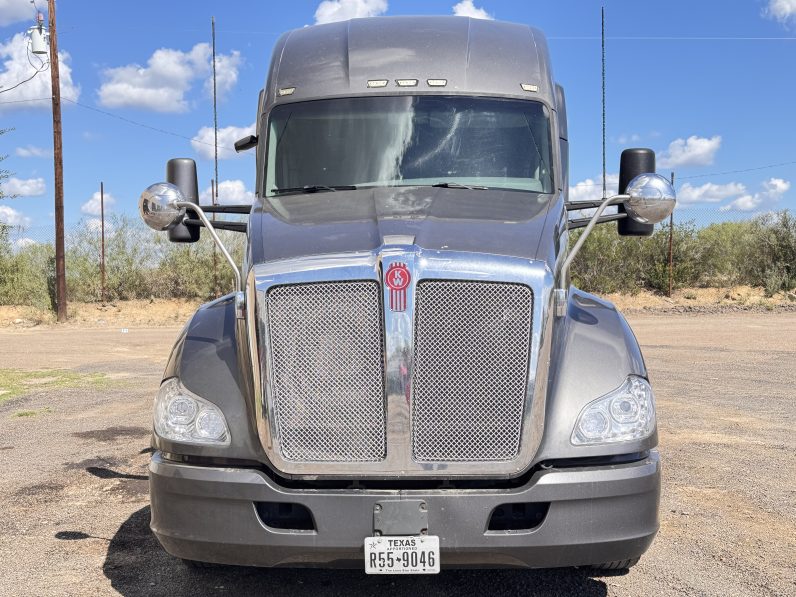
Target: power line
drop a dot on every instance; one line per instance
(40, 69)
(141, 124)
(709, 174)
(766, 167)
(25, 101)
(21, 82)
(666, 38)
(122, 118)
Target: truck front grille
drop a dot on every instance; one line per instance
(328, 385)
(472, 350)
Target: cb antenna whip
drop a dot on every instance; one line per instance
(602, 38)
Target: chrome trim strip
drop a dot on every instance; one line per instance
(399, 330)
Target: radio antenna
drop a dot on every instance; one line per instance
(602, 37)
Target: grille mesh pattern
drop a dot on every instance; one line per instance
(326, 345)
(472, 344)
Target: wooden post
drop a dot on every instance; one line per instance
(55, 79)
(102, 242)
(671, 253)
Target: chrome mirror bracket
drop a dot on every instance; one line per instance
(563, 274)
(240, 297)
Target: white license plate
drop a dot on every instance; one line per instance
(417, 554)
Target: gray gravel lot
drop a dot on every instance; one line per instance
(74, 487)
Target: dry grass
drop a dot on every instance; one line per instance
(735, 296)
(154, 312)
(121, 314)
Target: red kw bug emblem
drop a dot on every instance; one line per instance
(397, 280)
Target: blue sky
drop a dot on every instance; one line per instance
(708, 84)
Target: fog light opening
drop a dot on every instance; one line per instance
(518, 517)
(285, 516)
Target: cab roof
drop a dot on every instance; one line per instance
(473, 56)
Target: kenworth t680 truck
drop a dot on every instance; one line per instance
(403, 378)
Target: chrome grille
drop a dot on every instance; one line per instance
(327, 371)
(472, 349)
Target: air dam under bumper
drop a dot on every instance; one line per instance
(596, 514)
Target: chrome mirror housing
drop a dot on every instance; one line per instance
(159, 206)
(650, 198)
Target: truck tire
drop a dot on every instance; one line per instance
(617, 565)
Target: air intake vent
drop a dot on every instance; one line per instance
(472, 349)
(327, 371)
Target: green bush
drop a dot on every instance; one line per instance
(758, 252)
(141, 263)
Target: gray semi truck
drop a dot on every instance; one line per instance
(403, 378)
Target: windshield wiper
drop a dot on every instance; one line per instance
(314, 188)
(458, 185)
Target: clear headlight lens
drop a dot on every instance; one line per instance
(627, 413)
(181, 416)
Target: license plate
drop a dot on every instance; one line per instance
(417, 554)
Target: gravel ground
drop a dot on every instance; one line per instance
(74, 487)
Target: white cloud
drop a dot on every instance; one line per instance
(95, 225)
(31, 151)
(781, 10)
(227, 67)
(10, 216)
(202, 143)
(16, 68)
(624, 139)
(592, 189)
(330, 11)
(709, 192)
(24, 187)
(466, 8)
(13, 11)
(694, 151)
(24, 242)
(776, 187)
(773, 189)
(230, 192)
(161, 86)
(92, 207)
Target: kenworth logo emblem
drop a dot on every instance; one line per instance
(397, 280)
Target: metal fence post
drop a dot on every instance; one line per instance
(671, 253)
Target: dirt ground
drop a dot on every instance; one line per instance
(74, 451)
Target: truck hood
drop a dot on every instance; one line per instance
(485, 221)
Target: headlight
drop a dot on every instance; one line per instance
(627, 413)
(181, 416)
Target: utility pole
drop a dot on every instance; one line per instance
(60, 262)
(102, 242)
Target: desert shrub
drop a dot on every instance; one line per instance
(23, 272)
(607, 262)
(141, 263)
(771, 260)
(725, 249)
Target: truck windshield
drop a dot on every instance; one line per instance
(407, 141)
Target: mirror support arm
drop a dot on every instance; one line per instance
(560, 292)
(239, 295)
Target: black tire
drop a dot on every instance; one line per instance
(617, 565)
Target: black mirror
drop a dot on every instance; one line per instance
(246, 143)
(181, 172)
(633, 163)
